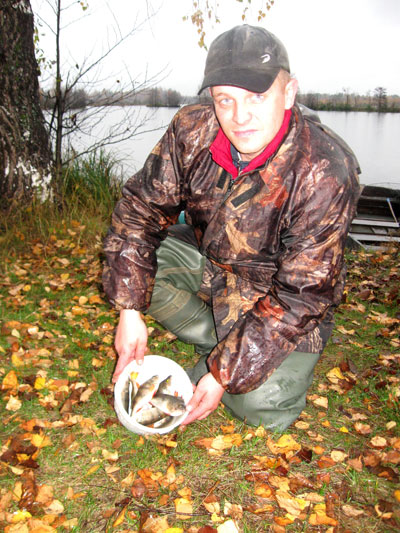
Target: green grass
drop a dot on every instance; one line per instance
(48, 274)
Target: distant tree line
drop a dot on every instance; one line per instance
(376, 101)
(80, 98)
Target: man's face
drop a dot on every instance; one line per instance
(251, 120)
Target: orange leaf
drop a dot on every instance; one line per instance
(10, 380)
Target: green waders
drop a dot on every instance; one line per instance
(175, 305)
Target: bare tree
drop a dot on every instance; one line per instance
(25, 169)
(66, 119)
(380, 97)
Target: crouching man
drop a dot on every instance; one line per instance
(253, 277)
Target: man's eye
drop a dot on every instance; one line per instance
(225, 101)
(257, 98)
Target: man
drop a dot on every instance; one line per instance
(254, 276)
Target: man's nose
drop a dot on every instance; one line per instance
(241, 114)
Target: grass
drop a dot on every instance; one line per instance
(57, 325)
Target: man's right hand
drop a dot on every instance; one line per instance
(130, 340)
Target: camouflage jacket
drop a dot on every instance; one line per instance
(274, 239)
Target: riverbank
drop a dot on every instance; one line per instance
(68, 465)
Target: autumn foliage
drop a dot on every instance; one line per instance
(66, 464)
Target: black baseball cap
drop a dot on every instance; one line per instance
(246, 56)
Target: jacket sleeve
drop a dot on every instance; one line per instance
(151, 201)
(304, 287)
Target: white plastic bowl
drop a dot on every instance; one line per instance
(152, 365)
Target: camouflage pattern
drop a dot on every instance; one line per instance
(274, 239)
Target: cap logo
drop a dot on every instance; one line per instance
(265, 58)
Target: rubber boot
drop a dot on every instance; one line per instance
(278, 401)
(175, 304)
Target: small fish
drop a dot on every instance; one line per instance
(149, 416)
(171, 405)
(165, 387)
(132, 389)
(145, 393)
(163, 422)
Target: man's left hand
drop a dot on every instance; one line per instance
(205, 400)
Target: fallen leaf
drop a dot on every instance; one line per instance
(363, 429)
(228, 527)
(338, 456)
(292, 505)
(378, 442)
(13, 404)
(183, 508)
(351, 511)
(120, 518)
(285, 444)
(155, 525)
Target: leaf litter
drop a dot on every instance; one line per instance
(67, 465)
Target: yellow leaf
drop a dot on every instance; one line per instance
(224, 442)
(319, 516)
(284, 444)
(185, 492)
(92, 470)
(20, 516)
(174, 530)
(335, 374)
(41, 440)
(120, 518)
(170, 476)
(397, 495)
(40, 383)
(16, 360)
(182, 505)
(10, 380)
(128, 480)
(216, 518)
(260, 432)
(343, 429)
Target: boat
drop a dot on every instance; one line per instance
(377, 219)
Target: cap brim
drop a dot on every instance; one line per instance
(251, 80)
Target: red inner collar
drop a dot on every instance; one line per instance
(221, 149)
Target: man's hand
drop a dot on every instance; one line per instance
(205, 399)
(130, 340)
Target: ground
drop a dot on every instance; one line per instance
(67, 464)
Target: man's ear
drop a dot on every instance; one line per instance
(290, 93)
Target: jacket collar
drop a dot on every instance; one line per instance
(221, 149)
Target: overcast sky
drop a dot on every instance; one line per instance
(332, 44)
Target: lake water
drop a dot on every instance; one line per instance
(374, 137)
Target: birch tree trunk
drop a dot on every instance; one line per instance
(25, 159)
